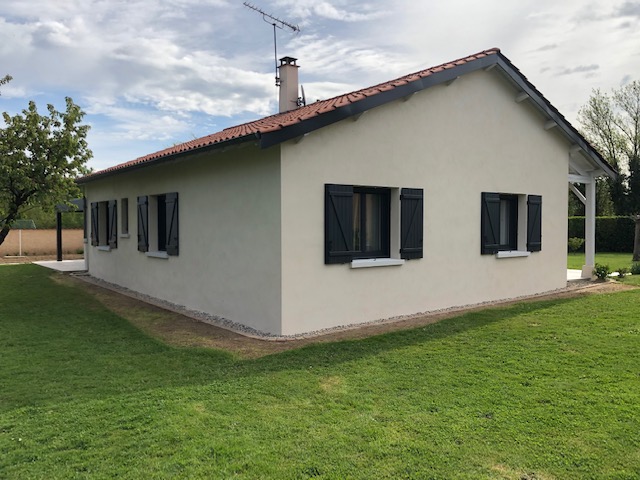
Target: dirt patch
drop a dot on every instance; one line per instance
(179, 330)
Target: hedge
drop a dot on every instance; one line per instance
(48, 220)
(613, 234)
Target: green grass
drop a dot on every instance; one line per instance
(631, 280)
(537, 390)
(614, 260)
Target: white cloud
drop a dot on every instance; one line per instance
(336, 10)
(338, 59)
(157, 69)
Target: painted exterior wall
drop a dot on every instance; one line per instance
(252, 221)
(455, 142)
(229, 227)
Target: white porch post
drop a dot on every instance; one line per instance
(589, 229)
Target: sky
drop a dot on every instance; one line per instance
(153, 73)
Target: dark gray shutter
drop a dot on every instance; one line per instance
(171, 202)
(490, 223)
(143, 224)
(411, 222)
(338, 223)
(534, 223)
(94, 223)
(113, 224)
(84, 217)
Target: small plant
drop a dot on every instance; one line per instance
(635, 268)
(575, 244)
(623, 272)
(601, 271)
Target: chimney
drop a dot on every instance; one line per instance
(288, 72)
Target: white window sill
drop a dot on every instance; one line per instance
(124, 235)
(104, 248)
(512, 254)
(157, 255)
(376, 262)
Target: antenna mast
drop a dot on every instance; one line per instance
(276, 23)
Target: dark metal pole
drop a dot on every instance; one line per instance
(275, 55)
(59, 234)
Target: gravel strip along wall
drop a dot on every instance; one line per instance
(253, 333)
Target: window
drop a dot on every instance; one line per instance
(358, 223)
(370, 222)
(158, 223)
(124, 215)
(104, 226)
(501, 224)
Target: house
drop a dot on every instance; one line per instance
(446, 187)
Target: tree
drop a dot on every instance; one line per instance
(40, 157)
(612, 124)
(5, 79)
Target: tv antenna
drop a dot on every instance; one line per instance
(276, 23)
(302, 100)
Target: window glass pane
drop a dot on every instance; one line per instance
(124, 205)
(356, 222)
(162, 223)
(373, 212)
(504, 222)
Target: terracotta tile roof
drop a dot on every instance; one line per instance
(283, 120)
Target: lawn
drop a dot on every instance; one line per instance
(614, 260)
(537, 390)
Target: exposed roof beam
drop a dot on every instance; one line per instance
(452, 80)
(580, 178)
(521, 97)
(549, 124)
(577, 168)
(404, 99)
(490, 67)
(300, 138)
(575, 149)
(578, 193)
(357, 116)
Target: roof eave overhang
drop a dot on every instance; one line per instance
(168, 158)
(600, 165)
(503, 64)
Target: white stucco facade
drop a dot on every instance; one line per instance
(229, 228)
(252, 220)
(455, 142)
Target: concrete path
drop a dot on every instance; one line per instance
(64, 265)
(574, 275)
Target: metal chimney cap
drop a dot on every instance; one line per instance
(288, 61)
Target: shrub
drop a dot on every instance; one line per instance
(47, 220)
(623, 272)
(601, 271)
(575, 244)
(635, 268)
